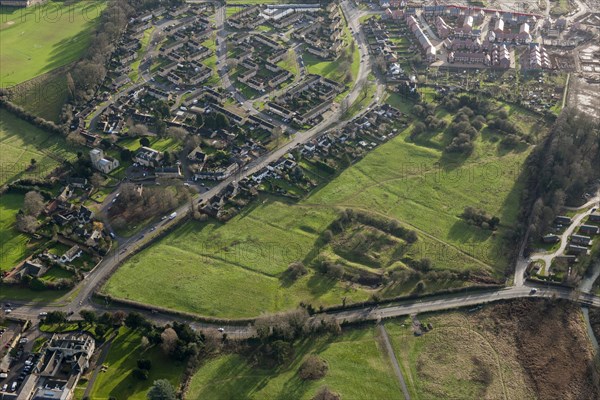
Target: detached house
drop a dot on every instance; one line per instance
(148, 157)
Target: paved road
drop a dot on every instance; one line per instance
(447, 302)
(564, 238)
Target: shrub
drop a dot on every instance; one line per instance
(144, 363)
(141, 374)
(326, 394)
(296, 270)
(313, 368)
(334, 271)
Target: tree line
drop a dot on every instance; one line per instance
(561, 170)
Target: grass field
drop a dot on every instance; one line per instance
(21, 141)
(44, 95)
(337, 70)
(364, 374)
(135, 66)
(117, 382)
(13, 245)
(236, 269)
(37, 40)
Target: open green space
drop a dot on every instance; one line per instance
(13, 245)
(215, 270)
(37, 40)
(135, 66)
(44, 95)
(20, 142)
(364, 374)
(237, 269)
(343, 69)
(117, 382)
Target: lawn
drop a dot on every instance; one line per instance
(217, 271)
(364, 374)
(44, 95)
(37, 40)
(344, 69)
(117, 382)
(135, 66)
(13, 245)
(21, 141)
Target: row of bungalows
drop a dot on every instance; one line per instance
(229, 114)
(267, 41)
(261, 123)
(166, 69)
(277, 55)
(428, 48)
(249, 18)
(201, 50)
(281, 77)
(158, 93)
(287, 21)
(589, 229)
(280, 110)
(171, 47)
(200, 73)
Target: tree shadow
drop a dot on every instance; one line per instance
(319, 284)
(466, 233)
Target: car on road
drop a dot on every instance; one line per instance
(43, 314)
(112, 235)
(533, 291)
(221, 330)
(7, 311)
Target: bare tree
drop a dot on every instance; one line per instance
(169, 340)
(26, 223)
(177, 133)
(97, 180)
(33, 204)
(139, 130)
